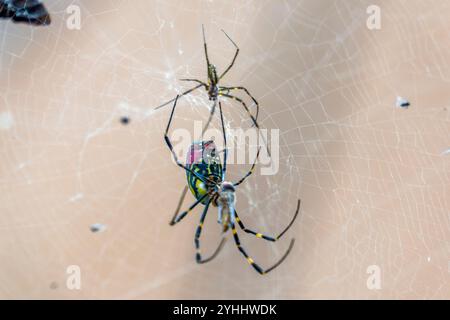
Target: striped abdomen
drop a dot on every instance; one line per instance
(203, 159)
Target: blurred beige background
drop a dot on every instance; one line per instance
(374, 179)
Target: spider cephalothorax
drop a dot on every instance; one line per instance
(213, 79)
(206, 179)
(226, 202)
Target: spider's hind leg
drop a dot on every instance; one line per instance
(198, 255)
(251, 261)
(262, 236)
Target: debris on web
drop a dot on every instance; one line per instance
(97, 227)
(402, 103)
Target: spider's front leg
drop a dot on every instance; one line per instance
(234, 57)
(196, 80)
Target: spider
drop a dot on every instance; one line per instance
(31, 12)
(206, 178)
(214, 90)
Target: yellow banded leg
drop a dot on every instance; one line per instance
(175, 220)
(198, 255)
(242, 250)
(251, 261)
(262, 236)
(256, 234)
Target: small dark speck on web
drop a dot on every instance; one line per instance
(97, 227)
(402, 103)
(54, 285)
(125, 120)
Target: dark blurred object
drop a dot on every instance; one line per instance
(27, 11)
(97, 227)
(125, 120)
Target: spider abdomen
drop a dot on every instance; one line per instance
(203, 159)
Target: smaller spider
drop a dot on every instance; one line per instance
(206, 178)
(214, 90)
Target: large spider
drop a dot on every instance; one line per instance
(206, 178)
(214, 90)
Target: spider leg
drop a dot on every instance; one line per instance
(262, 236)
(250, 171)
(180, 202)
(255, 123)
(180, 95)
(198, 255)
(251, 261)
(177, 218)
(234, 58)
(195, 80)
(228, 89)
(204, 45)
(225, 150)
(169, 144)
(211, 114)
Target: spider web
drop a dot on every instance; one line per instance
(374, 178)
